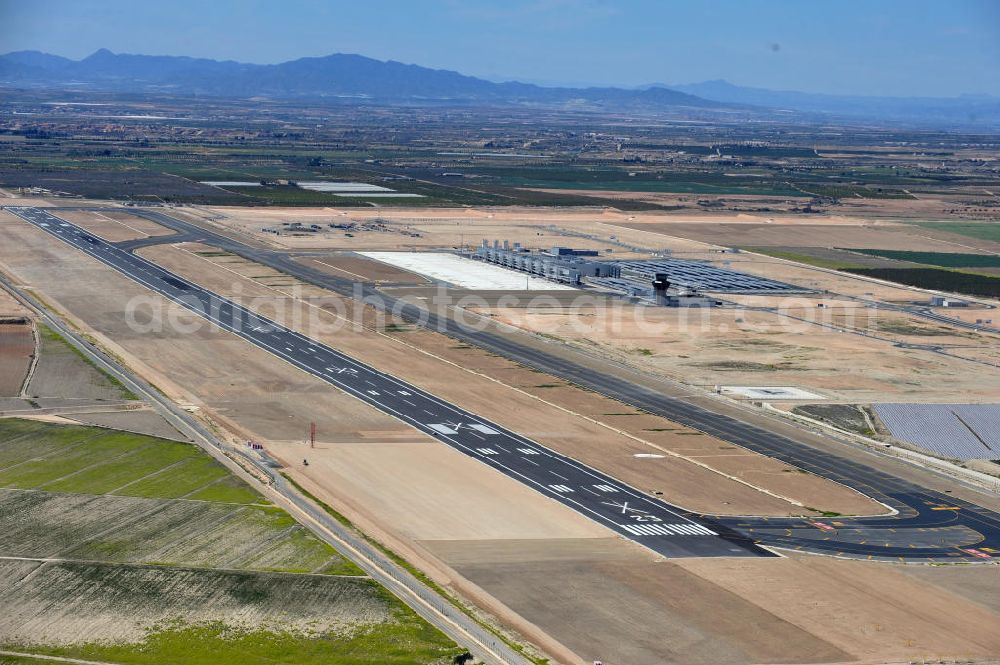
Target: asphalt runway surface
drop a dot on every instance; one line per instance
(928, 526)
(632, 514)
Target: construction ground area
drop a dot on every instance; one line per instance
(824, 342)
(538, 569)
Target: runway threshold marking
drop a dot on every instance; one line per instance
(129, 264)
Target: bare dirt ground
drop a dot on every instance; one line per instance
(922, 206)
(17, 347)
(803, 234)
(9, 307)
(141, 421)
(79, 388)
(407, 229)
(60, 372)
(800, 610)
(247, 389)
(12, 198)
(858, 224)
(970, 314)
(646, 611)
(983, 589)
(679, 477)
(558, 585)
(114, 226)
(735, 347)
(427, 491)
(877, 613)
(363, 269)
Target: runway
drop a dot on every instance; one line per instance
(665, 529)
(930, 526)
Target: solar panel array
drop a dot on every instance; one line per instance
(956, 431)
(704, 277)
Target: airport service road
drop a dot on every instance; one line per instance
(663, 528)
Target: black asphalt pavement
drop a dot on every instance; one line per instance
(928, 526)
(650, 522)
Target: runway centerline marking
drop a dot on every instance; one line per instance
(217, 310)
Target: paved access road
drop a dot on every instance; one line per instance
(663, 528)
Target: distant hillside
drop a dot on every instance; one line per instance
(339, 75)
(964, 110)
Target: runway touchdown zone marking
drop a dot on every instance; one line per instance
(129, 265)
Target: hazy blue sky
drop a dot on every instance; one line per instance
(894, 47)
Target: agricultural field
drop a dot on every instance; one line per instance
(938, 279)
(64, 383)
(128, 183)
(62, 371)
(17, 348)
(942, 259)
(126, 548)
(958, 273)
(463, 157)
(832, 259)
(978, 230)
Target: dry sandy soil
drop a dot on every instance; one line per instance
(877, 236)
(737, 347)
(362, 269)
(17, 347)
(923, 206)
(142, 421)
(562, 417)
(436, 228)
(66, 383)
(61, 373)
(795, 610)
(782, 350)
(626, 235)
(851, 225)
(9, 307)
(563, 577)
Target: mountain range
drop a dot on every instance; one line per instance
(970, 109)
(346, 76)
(333, 76)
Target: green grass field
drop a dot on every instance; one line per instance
(939, 279)
(94, 448)
(228, 490)
(93, 460)
(90, 460)
(187, 476)
(943, 259)
(407, 640)
(980, 230)
(804, 258)
(62, 459)
(148, 530)
(851, 191)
